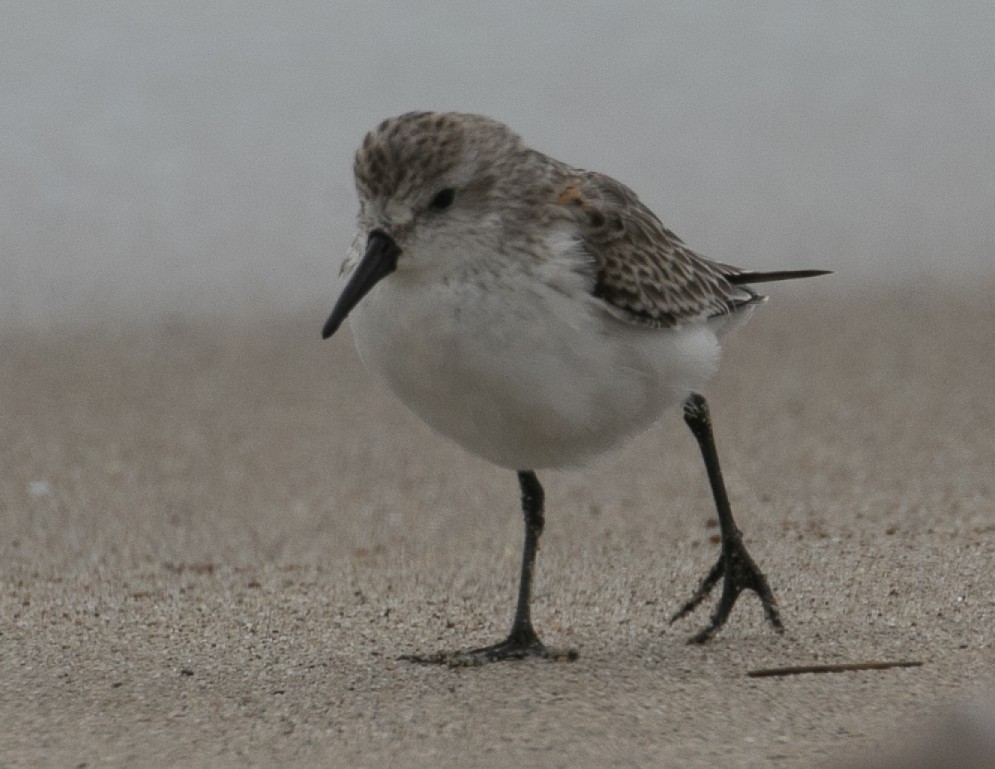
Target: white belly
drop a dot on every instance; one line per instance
(522, 374)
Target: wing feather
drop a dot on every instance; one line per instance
(644, 272)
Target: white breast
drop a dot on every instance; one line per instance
(522, 373)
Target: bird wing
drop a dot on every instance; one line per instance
(643, 271)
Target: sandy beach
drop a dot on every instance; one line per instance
(219, 536)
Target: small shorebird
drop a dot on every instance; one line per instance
(538, 315)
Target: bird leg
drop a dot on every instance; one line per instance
(735, 566)
(522, 641)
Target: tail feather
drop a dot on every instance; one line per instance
(741, 278)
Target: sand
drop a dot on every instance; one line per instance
(220, 534)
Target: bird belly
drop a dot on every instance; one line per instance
(527, 379)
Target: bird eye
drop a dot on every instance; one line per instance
(443, 199)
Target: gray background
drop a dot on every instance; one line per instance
(193, 158)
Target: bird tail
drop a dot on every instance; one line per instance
(746, 276)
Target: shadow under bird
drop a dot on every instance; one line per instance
(538, 315)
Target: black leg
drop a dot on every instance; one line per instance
(522, 641)
(735, 567)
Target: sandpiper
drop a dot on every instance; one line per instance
(538, 315)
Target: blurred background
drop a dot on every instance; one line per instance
(194, 158)
(185, 461)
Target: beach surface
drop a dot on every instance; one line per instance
(219, 535)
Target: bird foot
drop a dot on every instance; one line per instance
(738, 572)
(523, 643)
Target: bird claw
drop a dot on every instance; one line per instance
(523, 643)
(739, 572)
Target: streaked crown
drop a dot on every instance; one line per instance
(421, 150)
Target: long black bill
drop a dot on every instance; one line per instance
(379, 261)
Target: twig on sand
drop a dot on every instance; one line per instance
(844, 667)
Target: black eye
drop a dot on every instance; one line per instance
(443, 199)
